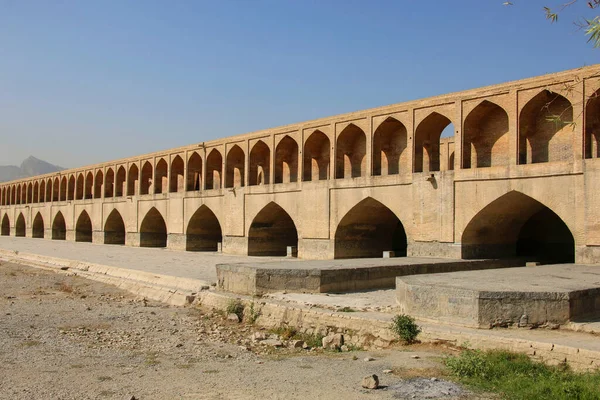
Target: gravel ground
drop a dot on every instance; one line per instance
(64, 337)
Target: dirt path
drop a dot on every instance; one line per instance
(63, 337)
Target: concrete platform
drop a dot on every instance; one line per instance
(337, 276)
(529, 296)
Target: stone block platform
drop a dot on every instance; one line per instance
(336, 276)
(529, 296)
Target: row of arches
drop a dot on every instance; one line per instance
(513, 225)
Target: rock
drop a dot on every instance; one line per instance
(416, 357)
(367, 359)
(297, 344)
(233, 317)
(333, 341)
(131, 398)
(257, 336)
(272, 342)
(370, 382)
(387, 371)
(344, 348)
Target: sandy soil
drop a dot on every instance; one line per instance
(64, 337)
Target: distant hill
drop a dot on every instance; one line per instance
(31, 166)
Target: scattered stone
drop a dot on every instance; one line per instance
(387, 371)
(434, 379)
(272, 342)
(233, 317)
(344, 348)
(416, 357)
(370, 382)
(297, 344)
(258, 336)
(333, 341)
(64, 268)
(367, 359)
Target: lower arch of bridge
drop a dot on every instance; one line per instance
(369, 229)
(37, 229)
(114, 229)
(153, 231)
(20, 226)
(59, 228)
(203, 231)
(518, 225)
(5, 230)
(271, 232)
(83, 228)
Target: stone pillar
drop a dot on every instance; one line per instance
(70, 235)
(132, 239)
(98, 237)
(176, 241)
(235, 245)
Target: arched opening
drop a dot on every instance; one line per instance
(55, 189)
(153, 231)
(98, 184)
(79, 188)
(316, 157)
(89, 185)
(114, 229)
(518, 225)
(5, 226)
(350, 157)
(214, 163)
(59, 227)
(63, 189)
(24, 194)
(592, 126)
(132, 181)
(486, 137)
(389, 145)
(161, 183)
(83, 228)
(18, 194)
(427, 142)
(36, 193)
(29, 193)
(49, 191)
(42, 191)
(286, 161)
(271, 232)
(235, 167)
(260, 164)
(109, 183)
(203, 231)
(369, 229)
(176, 178)
(71, 188)
(20, 226)
(146, 180)
(194, 168)
(37, 229)
(545, 134)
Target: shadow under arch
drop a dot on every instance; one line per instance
(271, 231)
(369, 229)
(114, 228)
(203, 231)
(153, 231)
(83, 228)
(59, 227)
(518, 225)
(20, 226)
(5, 230)
(37, 229)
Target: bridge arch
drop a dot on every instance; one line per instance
(194, 174)
(518, 225)
(317, 154)
(42, 191)
(29, 193)
(36, 192)
(63, 189)
(369, 229)
(114, 228)
(427, 142)
(389, 144)
(543, 137)
(153, 230)
(351, 150)
(214, 165)
(592, 126)
(271, 231)
(49, 190)
(146, 178)
(161, 184)
(133, 178)
(37, 228)
(83, 228)
(71, 188)
(109, 183)
(203, 232)
(98, 184)
(89, 185)
(20, 226)
(235, 167)
(486, 136)
(79, 190)
(59, 227)
(176, 175)
(286, 161)
(5, 229)
(260, 164)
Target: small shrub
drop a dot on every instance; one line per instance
(405, 327)
(345, 309)
(253, 313)
(65, 287)
(235, 306)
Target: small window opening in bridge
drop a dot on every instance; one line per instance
(427, 142)
(271, 232)
(389, 148)
(79, 188)
(37, 229)
(351, 150)
(133, 178)
(63, 189)
(42, 191)
(109, 183)
(71, 188)
(55, 189)
(316, 157)
(29, 193)
(5, 226)
(24, 193)
(36, 193)
(486, 137)
(89, 185)
(59, 228)
(161, 183)
(260, 159)
(235, 167)
(194, 177)
(204, 231)
(369, 229)
(153, 231)
(545, 133)
(146, 180)
(49, 191)
(214, 164)
(20, 226)
(83, 228)
(592, 126)
(176, 178)
(98, 184)
(286, 161)
(114, 229)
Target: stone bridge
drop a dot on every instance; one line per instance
(517, 176)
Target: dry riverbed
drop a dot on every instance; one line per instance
(64, 337)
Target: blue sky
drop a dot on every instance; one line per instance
(84, 82)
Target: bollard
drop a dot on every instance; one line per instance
(389, 254)
(292, 251)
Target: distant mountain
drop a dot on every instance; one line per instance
(29, 167)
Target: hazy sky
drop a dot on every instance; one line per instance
(90, 81)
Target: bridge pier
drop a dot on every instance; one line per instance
(235, 245)
(98, 237)
(132, 239)
(176, 241)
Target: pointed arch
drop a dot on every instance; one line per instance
(146, 179)
(131, 182)
(36, 192)
(79, 189)
(63, 189)
(260, 164)
(89, 185)
(114, 229)
(20, 228)
(55, 189)
(161, 183)
(24, 193)
(49, 190)
(29, 193)
(71, 188)
(194, 172)
(486, 136)
(235, 167)
(109, 183)
(153, 230)
(3, 196)
(176, 179)
(37, 229)
(59, 227)
(98, 184)
(543, 137)
(427, 142)
(592, 126)
(517, 225)
(42, 191)
(286, 161)
(351, 150)
(18, 194)
(203, 231)
(369, 229)
(389, 145)
(83, 228)
(316, 157)
(5, 230)
(214, 165)
(271, 231)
